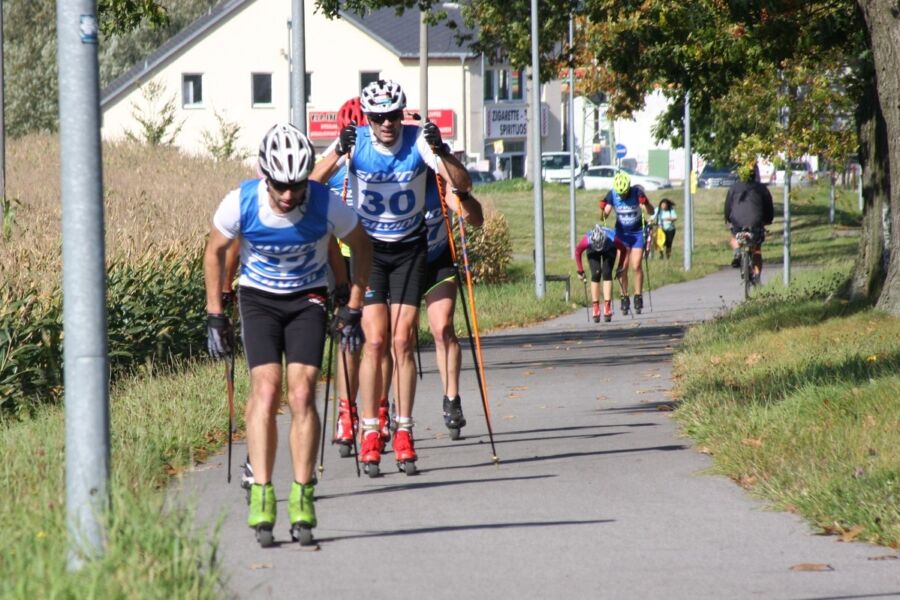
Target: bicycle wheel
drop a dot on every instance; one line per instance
(746, 272)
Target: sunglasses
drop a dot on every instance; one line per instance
(284, 187)
(396, 115)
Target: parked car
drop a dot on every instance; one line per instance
(557, 168)
(480, 177)
(713, 175)
(801, 174)
(601, 178)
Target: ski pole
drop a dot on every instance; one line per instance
(325, 408)
(482, 388)
(229, 387)
(649, 287)
(352, 405)
(587, 309)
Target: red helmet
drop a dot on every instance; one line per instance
(351, 111)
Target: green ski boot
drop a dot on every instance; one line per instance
(262, 513)
(302, 513)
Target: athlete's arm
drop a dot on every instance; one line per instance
(214, 269)
(467, 205)
(326, 166)
(361, 263)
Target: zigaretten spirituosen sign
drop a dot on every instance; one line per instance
(511, 121)
(323, 123)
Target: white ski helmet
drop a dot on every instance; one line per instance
(598, 238)
(285, 154)
(382, 96)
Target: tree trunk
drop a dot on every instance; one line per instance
(883, 22)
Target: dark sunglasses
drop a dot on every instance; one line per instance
(396, 115)
(284, 187)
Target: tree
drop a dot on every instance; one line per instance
(719, 49)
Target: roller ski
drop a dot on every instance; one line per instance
(302, 513)
(454, 419)
(347, 425)
(625, 305)
(596, 312)
(607, 311)
(370, 453)
(404, 452)
(638, 303)
(262, 513)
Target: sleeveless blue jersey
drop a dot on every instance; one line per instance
(389, 189)
(336, 183)
(628, 209)
(434, 220)
(284, 259)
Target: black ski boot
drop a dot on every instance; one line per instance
(626, 305)
(453, 416)
(638, 303)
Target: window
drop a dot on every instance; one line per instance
(504, 84)
(192, 89)
(261, 88)
(367, 77)
(307, 83)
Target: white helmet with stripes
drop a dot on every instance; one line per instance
(382, 96)
(285, 154)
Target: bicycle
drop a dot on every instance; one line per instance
(748, 247)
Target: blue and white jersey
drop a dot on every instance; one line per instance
(628, 208)
(434, 220)
(287, 252)
(389, 183)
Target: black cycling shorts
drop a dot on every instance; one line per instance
(601, 265)
(759, 233)
(283, 326)
(398, 272)
(439, 270)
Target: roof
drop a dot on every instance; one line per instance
(384, 25)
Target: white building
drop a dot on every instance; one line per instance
(234, 63)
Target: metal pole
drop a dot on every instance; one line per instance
(84, 281)
(423, 64)
(688, 209)
(535, 118)
(831, 199)
(787, 225)
(570, 117)
(464, 121)
(298, 66)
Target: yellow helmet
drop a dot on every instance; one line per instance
(621, 182)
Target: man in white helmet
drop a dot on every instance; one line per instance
(388, 166)
(283, 223)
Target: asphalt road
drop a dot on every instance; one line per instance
(596, 495)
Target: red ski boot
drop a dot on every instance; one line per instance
(347, 425)
(384, 421)
(607, 311)
(404, 451)
(596, 312)
(370, 453)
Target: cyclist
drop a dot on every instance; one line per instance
(388, 173)
(602, 249)
(748, 206)
(283, 224)
(440, 294)
(628, 201)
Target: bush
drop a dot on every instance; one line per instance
(489, 249)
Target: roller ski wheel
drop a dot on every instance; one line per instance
(408, 467)
(454, 420)
(373, 469)
(638, 303)
(404, 451)
(264, 536)
(302, 534)
(370, 453)
(262, 513)
(345, 449)
(302, 513)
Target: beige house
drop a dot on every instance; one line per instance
(233, 64)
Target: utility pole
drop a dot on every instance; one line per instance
(535, 118)
(787, 224)
(423, 65)
(570, 117)
(84, 281)
(298, 65)
(688, 201)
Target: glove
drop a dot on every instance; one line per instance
(582, 277)
(347, 139)
(347, 324)
(433, 136)
(341, 295)
(219, 335)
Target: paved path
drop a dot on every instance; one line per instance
(597, 495)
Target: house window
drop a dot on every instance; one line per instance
(261, 88)
(367, 77)
(192, 89)
(504, 84)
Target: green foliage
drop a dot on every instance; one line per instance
(126, 15)
(222, 144)
(156, 117)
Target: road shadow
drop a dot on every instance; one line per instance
(421, 485)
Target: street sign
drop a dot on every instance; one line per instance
(621, 150)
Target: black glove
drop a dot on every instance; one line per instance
(348, 325)
(347, 139)
(220, 336)
(433, 136)
(341, 295)
(581, 276)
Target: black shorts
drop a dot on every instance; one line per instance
(398, 272)
(439, 270)
(601, 265)
(291, 326)
(759, 233)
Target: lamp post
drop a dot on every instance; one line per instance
(535, 119)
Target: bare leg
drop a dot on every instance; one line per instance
(403, 318)
(304, 436)
(635, 257)
(262, 407)
(375, 328)
(441, 304)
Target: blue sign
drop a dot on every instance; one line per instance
(621, 150)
